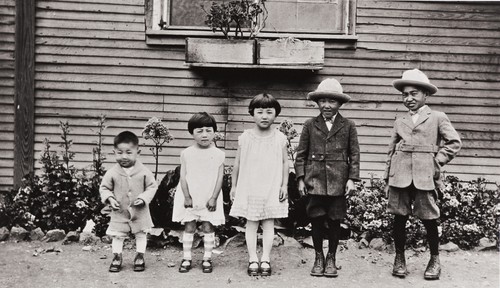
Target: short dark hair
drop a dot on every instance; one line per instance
(264, 100)
(201, 119)
(126, 137)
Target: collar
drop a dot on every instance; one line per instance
(331, 120)
(418, 111)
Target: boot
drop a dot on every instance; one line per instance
(116, 263)
(399, 268)
(433, 270)
(319, 265)
(330, 268)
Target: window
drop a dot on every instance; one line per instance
(306, 19)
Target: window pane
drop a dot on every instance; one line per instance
(188, 12)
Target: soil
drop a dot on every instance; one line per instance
(74, 267)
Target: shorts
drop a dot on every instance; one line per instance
(335, 207)
(121, 234)
(412, 201)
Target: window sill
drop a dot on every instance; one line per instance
(255, 66)
(177, 38)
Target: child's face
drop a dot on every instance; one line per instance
(413, 98)
(328, 107)
(264, 117)
(204, 136)
(126, 154)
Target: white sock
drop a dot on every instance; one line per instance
(117, 245)
(208, 243)
(267, 238)
(187, 244)
(141, 242)
(251, 239)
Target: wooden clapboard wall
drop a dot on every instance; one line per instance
(7, 31)
(91, 59)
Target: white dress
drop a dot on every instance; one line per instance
(260, 177)
(202, 167)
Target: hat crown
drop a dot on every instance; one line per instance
(415, 75)
(330, 85)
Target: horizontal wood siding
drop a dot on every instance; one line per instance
(92, 59)
(7, 43)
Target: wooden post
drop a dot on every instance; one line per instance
(24, 99)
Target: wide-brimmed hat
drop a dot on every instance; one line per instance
(414, 77)
(329, 88)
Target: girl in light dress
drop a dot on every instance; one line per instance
(260, 180)
(197, 198)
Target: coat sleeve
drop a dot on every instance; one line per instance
(451, 141)
(302, 151)
(353, 153)
(392, 147)
(150, 187)
(107, 186)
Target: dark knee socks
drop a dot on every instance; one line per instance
(432, 235)
(333, 236)
(318, 231)
(399, 233)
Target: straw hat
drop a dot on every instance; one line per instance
(329, 88)
(414, 77)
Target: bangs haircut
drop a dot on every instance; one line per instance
(264, 100)
(200, 120)
(126, 137)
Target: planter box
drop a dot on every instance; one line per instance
(290, 52)
(220, 51)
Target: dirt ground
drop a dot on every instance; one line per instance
(74, 268)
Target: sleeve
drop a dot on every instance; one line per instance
(353, 153)
(107, 186)
(451, 141)
(392, 146)
(150, 187)
(302, 151)
(221, 157)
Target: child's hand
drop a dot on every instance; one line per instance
(232, 193)
(139, 202)
(302, 187)
(386, 190)
(188, 202)
(283, 193)
(212, 204)
(113, 203)
(349, 188)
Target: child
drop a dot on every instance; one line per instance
(260, 179)
(197, 196)
(327, 163)
(422, 142)
(128, 188)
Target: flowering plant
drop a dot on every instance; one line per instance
(286, 127)
(156, 131)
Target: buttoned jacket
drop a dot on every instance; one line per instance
(418, 150)
(327, 159)
(140, 184)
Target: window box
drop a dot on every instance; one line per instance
(219, 51)
(289, 51)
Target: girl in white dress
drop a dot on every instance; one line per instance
(197, 197)
(260, 180)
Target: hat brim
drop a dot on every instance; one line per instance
(400, 84)
(316, 95)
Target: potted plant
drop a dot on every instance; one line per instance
(290, 51)
(233, 19)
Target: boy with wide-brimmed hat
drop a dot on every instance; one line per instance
(422, 142)
(326, 165)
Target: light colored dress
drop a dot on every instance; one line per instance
(202, 168)
(260, 177)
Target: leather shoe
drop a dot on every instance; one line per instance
(319, 265)
(330, 268)
(139, 263)
(433, 270)
(399, 268)
(116, 263)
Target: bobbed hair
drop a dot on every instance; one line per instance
(126, 137)
(264, 100)
(201, 119)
